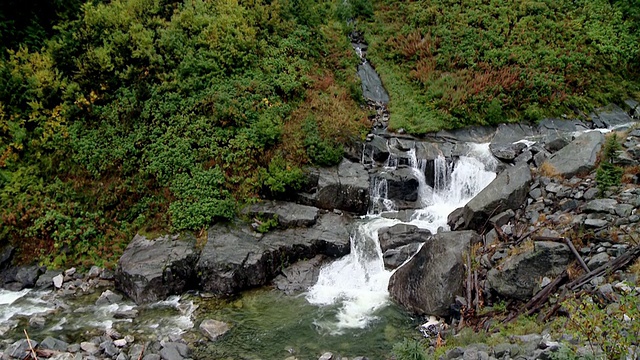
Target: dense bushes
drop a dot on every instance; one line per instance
(455, 63)
(163, 115)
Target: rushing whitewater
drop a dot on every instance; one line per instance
(357, 283)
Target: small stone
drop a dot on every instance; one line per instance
(213, 329)
(109, 348)
(94, 272)
(37, 322)
(590, 194)
(595, 223)
(327, 356)
(51, 343)
(122, 356)
(70, 272)
(108, 297)
(120, 342)
(58, 280)
(89, 347)
(130, 339)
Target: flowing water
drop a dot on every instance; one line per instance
(347, 311)
(356, 285)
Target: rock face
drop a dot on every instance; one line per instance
(300, 276)
(577, 158)
(519, 275)
(430, 281)
(151, 270)
(288, 214)
(372, 88)
(345, 187)
(508, 191)
(401, 234)
(234, 258)
(402, 184)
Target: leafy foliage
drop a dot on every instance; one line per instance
(409, 349)
(164, 115)
(608, 174)
(449, 64)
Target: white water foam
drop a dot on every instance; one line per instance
(357, 283)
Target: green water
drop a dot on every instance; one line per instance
(267, 324)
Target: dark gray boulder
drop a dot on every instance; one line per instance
(345, 188)
(507, 191)
(401, 234)
(376, 148)
(609, 116)
(402, 184)
(395, 257)
(578, 158)
(21, 277)
(372, 88)
(519, 275)
(234, 258)
(300, 276)
(508, 151)
(288, 214)
(430, 281)
(151, 270)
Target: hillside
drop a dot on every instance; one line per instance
(161, 115)
(448, 64)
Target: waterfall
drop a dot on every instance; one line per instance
(357, 283)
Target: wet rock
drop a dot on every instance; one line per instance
(402, 184)
(45, 281)
(120, 343)
(21, 277)
(6, 254)
(122, 356)
(90, 348)
(288, 214)
(152, 357)
(126, 314)
(577, 158)
(20, 348)
(610, 115)
(213, 329)
(508, 191)
(400, 235)
(518, 275)
(136, 351)
(345, 188)
(507, 152)
(108, 297)
(376, 149)
(109, 348)
(176, 347)
(233, 259)
(151, 270)
(393, 258)
(300, 276)
(51, 343)
(372, 88)
(440, 262)
(37, 322)
(327, 356)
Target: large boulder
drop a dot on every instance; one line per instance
(430, 281)
(402, 184)
(288, 214)
(151, 270)
(235, 258)
(401, 234)
(20, 277)
(576, 159)
(345, 188)
(507, 191)
(519, 276)
(372, 88)
(300, 276)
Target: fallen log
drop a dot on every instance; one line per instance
(539, 299)
(609, 267)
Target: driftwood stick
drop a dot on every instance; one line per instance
(475, 284)
(539, 299)
(469, 284)
(576, 254)
(547, 238)
(611, 266)
(523, 237)
(33, 352)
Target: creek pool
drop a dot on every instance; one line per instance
(268, 324)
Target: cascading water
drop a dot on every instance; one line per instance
(358, 282)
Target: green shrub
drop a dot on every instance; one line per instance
(409, 349)
(608, 174)
(323, 152)
(281, 177)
